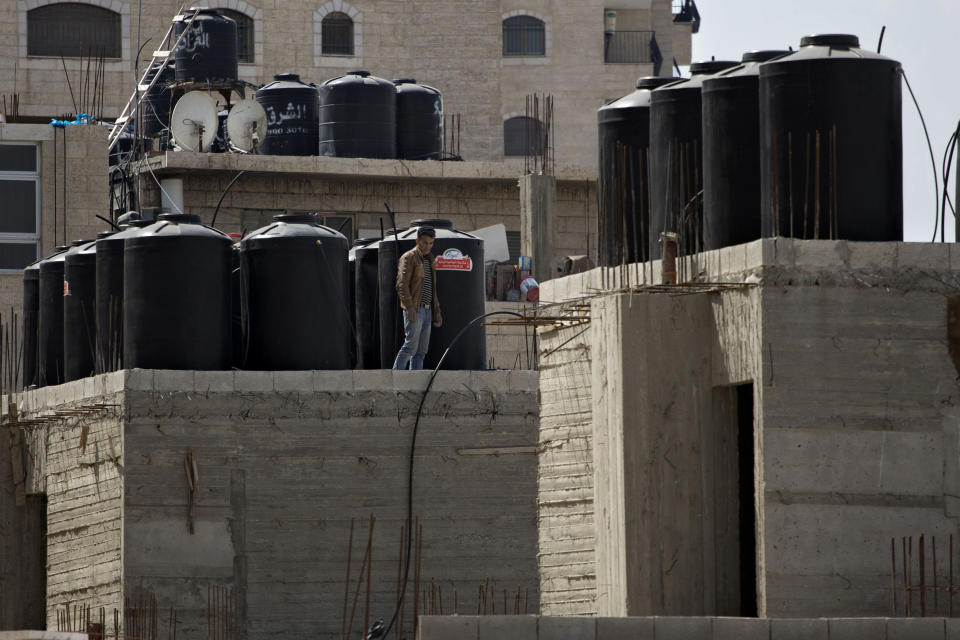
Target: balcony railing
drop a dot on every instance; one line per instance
(630, 47)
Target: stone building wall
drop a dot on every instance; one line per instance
(454, 45)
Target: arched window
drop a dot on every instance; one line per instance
(522, 136)
(524, 36)
(336, 34)
(244, 33)
(73, 29)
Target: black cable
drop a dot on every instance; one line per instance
(109, 222)
(413, 447)
(933, 162)
(945, 167)
(883, 30)
(223, 195)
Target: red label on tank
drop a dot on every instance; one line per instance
(66, 288)
(453, 260)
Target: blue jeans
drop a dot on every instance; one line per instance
(416, 339)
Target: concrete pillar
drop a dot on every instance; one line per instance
(538, 196)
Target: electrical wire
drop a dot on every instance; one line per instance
(933, 162)
(413, 448)
(223, 195)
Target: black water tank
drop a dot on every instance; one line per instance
(623, 129)
(676, 168)
(156, 104)
(359, 243)
(358, 117)
(367, 302)
(176, 296)
(237, 333)
(831, 112)
(31, 311)
(731, 152)
(79, 310)
(296, 311)
(50, 319)
(208, 52)
(293, 123)
(109, 298)
(419, 121)
(460, 292)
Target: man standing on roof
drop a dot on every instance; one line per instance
(417, 288)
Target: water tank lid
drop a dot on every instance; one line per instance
(830, 40)
(762, 55)
(287, 77)
(181, 218)
(405, 81)
(711, 66)
(436, 223)
(652, 82)
(296, 218)
(105, 234)
(361, 73)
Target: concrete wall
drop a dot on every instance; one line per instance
(663, 628)
(454, 46)
(286, 461)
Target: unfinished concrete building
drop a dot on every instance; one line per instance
(763, 439)
(287, 490)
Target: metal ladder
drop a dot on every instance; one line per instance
(161, 56)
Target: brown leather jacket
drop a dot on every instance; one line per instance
(410, 282)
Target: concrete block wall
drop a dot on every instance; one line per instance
(287, 463)
(510, 346)
(74, 461)
(565, 505)
(681, 628)
(85, 169)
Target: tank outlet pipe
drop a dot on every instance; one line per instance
(668, 260)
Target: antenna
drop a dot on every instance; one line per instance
(194, 121)
(246, 125)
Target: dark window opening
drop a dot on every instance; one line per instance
(747, 511)
(524, 36)
(244, 34)
(18, 157)
(522, 136)
(73, 30)
(336, 34)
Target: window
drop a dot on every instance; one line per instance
(336, 35)
(20, 194)
(244, 34)
(522, 136)
(523, 36)
(72, 29)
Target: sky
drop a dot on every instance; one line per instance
(922, 36)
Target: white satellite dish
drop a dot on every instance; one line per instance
(246, 125)
(194, 121)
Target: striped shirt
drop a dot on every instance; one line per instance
(426, 294)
